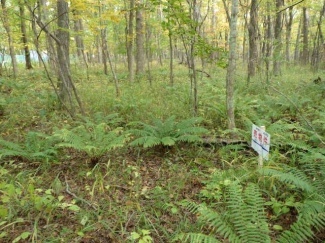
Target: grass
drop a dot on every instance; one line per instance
(133, 189)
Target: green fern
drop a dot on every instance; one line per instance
(311, 209)
(37, 146)
(167, 133)
(302, 230)
(242, 219)
(94, 140)
(290, 175)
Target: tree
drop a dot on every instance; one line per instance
(129, 41)
(63, 50)
(305, 32)
(319, 42)
(278, 39)
(140, 57)
(232, 65)
(253, 38)
(6, 24)
(28, 62)
(288, 22)
(297, 46)
(268, 41)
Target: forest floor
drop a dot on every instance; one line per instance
(134, 193)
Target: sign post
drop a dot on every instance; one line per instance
(261, 143)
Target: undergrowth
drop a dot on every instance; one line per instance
(209, 192)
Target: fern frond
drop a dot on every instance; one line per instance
(196, 238)
(301, 231)
(189, 123)
(190, 206)
(168, 141)
(220, 224)
(189, 138)
(167, 133)
(192, 130)
(290, 175)
(244, 219)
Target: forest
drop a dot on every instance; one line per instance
(153, 121)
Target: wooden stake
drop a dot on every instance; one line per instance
(260, 158)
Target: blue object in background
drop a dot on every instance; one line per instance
(21, 58)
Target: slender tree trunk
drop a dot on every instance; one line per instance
(232, 66)
(36, 42)
(321, 41)
(171, 53)
(140, 39)
(43, 14)
(278, 40)
(297, 47)
(245, 37)
(5, 20)
(148, 50)
(159, 13)
(63, 51)
(78, 28)
(268, 43)
(104, 49)
(103, 35)
(253, 37)
(130, 42)
(305, 50)
(214, 29)
(116, 83)
(28, 62)
(289, 20)
(98, 48)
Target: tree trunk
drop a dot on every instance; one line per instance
(232, 66)
(130, 42)
(140, 62)
(148, 50)
(297, 47)
(268, 43)
(28, 62)
(214, 29)
(253, 37)
(63, 50)
(50, 44)
(98, 48)
(245, 36)
(278, 39)
(78, 28)
(116, 83)
(171, 52)
(159, 13)
(289, 20)
(319, 43)
(305, 51)
(6, 25)
(104, 48)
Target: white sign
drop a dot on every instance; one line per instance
(261, 141)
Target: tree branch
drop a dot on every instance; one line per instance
(290, 6)
(227, 10)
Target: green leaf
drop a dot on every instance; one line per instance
(168, 141)
(277, 227)
(3, 234)
(74, 208)
(25, 235)
(135, 236)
